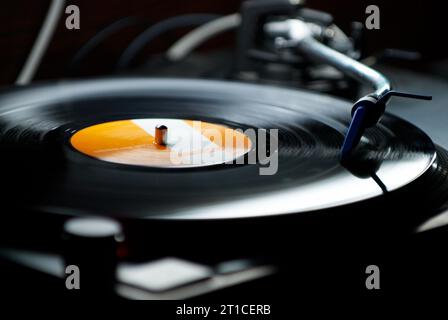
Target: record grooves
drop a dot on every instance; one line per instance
(311, 184)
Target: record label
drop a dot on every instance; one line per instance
(169, 143)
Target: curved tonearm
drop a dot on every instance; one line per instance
(367, 111)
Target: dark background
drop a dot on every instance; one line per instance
(412, 25)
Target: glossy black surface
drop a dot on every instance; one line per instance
(36, 123)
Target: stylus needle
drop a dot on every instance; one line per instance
(355, 132)
(367, 113)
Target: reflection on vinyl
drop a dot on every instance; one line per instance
(50, 127)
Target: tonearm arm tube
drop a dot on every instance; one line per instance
(367, 111)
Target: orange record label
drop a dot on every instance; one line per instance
(162, 142)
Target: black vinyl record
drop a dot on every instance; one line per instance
(49, 176)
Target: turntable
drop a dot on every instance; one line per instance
(169, 188)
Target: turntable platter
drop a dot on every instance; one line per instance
(38, 125)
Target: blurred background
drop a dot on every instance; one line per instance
(410, 25)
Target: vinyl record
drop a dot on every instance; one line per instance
(43, 163)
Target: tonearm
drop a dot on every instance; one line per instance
(297, 35)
